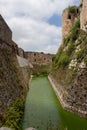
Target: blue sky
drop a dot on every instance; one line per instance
(36, 24)
(55, 20)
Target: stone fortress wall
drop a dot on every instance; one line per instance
(83, 16)
(5, 32)
(69, 18)
(39, 57)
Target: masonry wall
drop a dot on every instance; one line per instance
(39, 58)
(83, 16)
(68, 21)
(5, 32)
(21, 52)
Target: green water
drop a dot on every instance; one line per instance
(44, 112)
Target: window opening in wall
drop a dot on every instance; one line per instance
(34, 54)
(69, 17)
(35, 60)
(77, 10)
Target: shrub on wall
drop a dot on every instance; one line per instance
(80, 54)
(75, 30)
(72, 9)
(71, 48)
(63, 60)
(15, 115)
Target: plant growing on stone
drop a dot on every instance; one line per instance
(80, 54)
(72, 9)
(71, 48)
(15, 115)
(64, 60)
(75, 30)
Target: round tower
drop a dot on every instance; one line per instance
(83, 16)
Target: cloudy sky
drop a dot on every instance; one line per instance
(36, 24)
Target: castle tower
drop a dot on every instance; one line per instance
(83, 16)
(69, 17)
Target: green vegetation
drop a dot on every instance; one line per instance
(63, 60)
(72, 9)
(71, 48)
(56, 58)
(74, 33)
(41, 69)
(67, 40)
(80, 54)
(85, 60)
(15, 115)
(75, 30)
(66, 50)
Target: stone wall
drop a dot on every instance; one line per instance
(83, 16)
(68, 20)
(21, 52)
(14, 75)
(39, 58)
(5, 32)
(14, 80)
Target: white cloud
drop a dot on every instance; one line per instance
(27, 19)
(38, 9)
(35, 35)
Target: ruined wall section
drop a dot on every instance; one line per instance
(39, 58)
(83, 15)
(69, 19)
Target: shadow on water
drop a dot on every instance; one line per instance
(44, 112)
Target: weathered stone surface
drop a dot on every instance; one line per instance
(5, 32)
(31, 128)
(39, 58)
(4, 128)
(83, 16)
(21, 52)
(68, 21)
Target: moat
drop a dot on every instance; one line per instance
(44, 112)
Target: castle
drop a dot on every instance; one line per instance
(71, 14)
